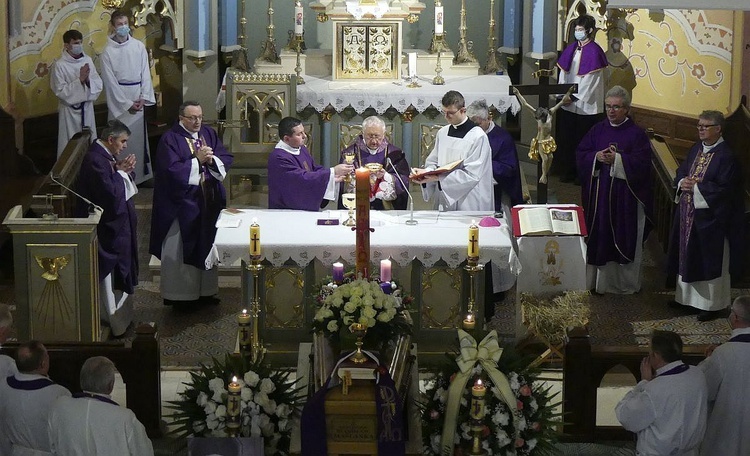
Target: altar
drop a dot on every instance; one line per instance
(298, 249)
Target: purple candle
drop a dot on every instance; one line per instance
(338, 272)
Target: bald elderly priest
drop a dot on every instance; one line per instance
(294, 180)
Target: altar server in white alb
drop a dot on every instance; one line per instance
(25, 401)
(727, 371)
(127, 84)
(76, 83)
(667, 408)
(91, 423)
(468, 187)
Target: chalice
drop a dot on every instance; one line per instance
(359, 330)
(374, 168)
(348, 159)
(349, 200)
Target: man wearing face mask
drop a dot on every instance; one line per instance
(127, 83)
(76, 83)
(580, 63)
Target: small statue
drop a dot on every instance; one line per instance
(543, 145)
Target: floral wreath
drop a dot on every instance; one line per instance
(529, 429)
(269, 402)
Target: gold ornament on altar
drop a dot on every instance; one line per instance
(112, 4)
(359, 331)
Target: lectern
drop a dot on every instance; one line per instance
(56, 277)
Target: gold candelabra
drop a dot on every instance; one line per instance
(269, 53)
(240, 60)
(438, 79)
(438, 43)
(257, 350)
(298, 68)
(464, 54)
(492, 65)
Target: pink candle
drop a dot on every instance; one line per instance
(338, 272)
(385, 270)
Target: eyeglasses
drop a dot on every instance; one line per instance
(452, 113)
(613, 107)
(193, 118)
(374, 136)
(705, 127)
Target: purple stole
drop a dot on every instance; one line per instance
(389, 414)
(675, 370)
(687, 208)
(740, 338)
(29, 385)
(592, 58)
(104, 399)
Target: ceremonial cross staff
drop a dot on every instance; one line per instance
(544, 89)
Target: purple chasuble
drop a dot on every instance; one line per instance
(362, 156)
(99, 181)
(611, 204)
(592, 58)
(295, 181)
(505, 167)
(696, 248)
(29, 385)
(196, 207)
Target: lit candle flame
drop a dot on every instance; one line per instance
(479, 382)
(234, 379)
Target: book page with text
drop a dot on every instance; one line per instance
(564, 222)
(535, 220)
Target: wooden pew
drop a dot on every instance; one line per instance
(138, 362)
(584, 368)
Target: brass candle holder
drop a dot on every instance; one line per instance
(438, 43)
(473, 268)
(438, 79)
(298, 68)
(269, 53)
(492, 65)
(464, 55)
(256, 350)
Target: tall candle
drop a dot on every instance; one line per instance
(243, 331)
(385, 270)
(338, 272)
(298, 19)
(362, 176)
(478, 391)
(234, 398)
(438, 20)
(473, 247)
(255, 239)
(412, 64)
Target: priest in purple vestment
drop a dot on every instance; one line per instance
(387, 185)
(614, 162)
(109, 183)
(294, 180)
(505, 168)
(583, 62)
(190, 165)
(707, 233)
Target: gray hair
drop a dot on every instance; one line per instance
(741, 308)
(716, 118)
(98, 375)
(373, 121)
(114, 129)
(619, 92)
(6, 318)
(478, 109)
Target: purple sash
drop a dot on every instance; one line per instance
(29, 385)
(687, 207)
(592, 58)
(389, 414)
(83, 395)
(740, 338)
(675, 370)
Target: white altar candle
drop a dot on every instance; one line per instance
(385, 270)
(412, 64)
(438, 20)
(298, 19)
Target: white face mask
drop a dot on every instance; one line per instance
(580, 35)
(76, 49)
(122, 31)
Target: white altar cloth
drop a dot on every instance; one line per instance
(295, 235)
(381, 95)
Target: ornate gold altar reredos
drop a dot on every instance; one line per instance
(348, 132)
(367, 50)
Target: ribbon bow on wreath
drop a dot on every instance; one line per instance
(487, 353)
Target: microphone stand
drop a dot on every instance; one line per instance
(411, 220)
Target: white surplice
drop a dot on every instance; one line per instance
(89, 426)
(667, 413)
(24, 416)
(468, 187)
(590, 93)
(127, 78)
(727, 373)
(76, 106)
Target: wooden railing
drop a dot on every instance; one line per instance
(584, 368)
(138, 363)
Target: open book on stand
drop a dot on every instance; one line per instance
(548, 221)
(445, 169)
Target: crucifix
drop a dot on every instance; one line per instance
(254, 239)
(544, 89)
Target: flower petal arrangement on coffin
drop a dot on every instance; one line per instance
(378, 306)
(526, 426)
(269, 402)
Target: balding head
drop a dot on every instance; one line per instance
(32, 358)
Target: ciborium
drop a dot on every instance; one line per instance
(349, 200)
(359, 330)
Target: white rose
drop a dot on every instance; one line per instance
(261, 398)
(211, 421)
(502, 438)
(216, 384)
(435, 440)
(199, 426)
(369, 312)
(466, 433)
(532, 444)
(270, 407)
(267, 386)
(319, 315)
(338, 301)
(348, 320)
(219, 395)
(384, 317)
(221, 411)
(500, 418)
(350, 307)
(368, 301)
(246, 394)
(371, 322)
(251, 378)
(282, 425)
(202, 399)
(283, 410)
(333, 326)
(210, 407)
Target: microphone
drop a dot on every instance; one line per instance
(411, 220)
(89, 202)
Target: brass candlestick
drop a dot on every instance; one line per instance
(473, 268)
(257, 350)
(298, 68)
(240, 60)
(464, 54)
(296, 40)
(438, 79)
(492, 65)
(269, 53)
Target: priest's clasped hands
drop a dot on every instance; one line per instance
(127, 164)
(137, 106)
(687, 183)
(607, 156)
(205, 155)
